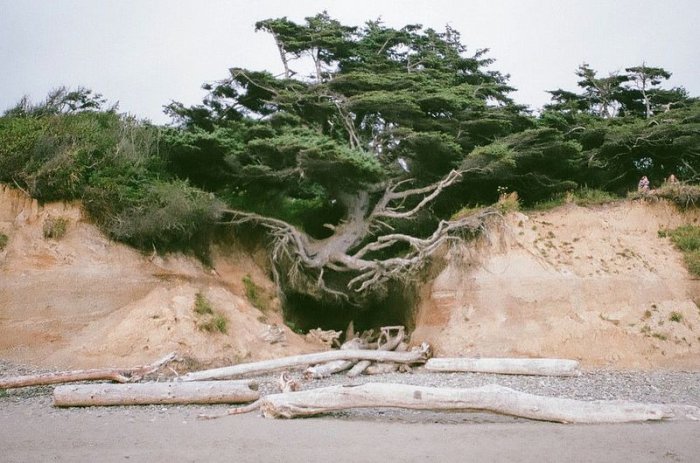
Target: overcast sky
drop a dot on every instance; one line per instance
(145, 53)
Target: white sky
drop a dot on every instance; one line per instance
(145, 53)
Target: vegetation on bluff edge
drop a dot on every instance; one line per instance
(356, 173)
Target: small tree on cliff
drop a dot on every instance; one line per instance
(367, 142)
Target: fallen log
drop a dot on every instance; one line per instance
(119, 375)
(493, 398)
(391, 342)
(418, 356)
(206, 392)
(505, 366)
(324, 370)
(381, 368)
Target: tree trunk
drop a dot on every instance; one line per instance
(119, 375)
(266, 366)
(208, 392)
(492, 398)
(505, 366)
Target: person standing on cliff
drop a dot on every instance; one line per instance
(643, 185)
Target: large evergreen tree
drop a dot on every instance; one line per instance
(380, 128)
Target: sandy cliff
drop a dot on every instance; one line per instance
(596, 284)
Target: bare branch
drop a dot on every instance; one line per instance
(432, 191)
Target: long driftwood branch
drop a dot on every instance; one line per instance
(119, 375)
(414, 357)
(505, 366)
(491, 398)
(206, 392)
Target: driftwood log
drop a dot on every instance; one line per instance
(327, 369)
(419, 355)
(505, 366)
(119, 375)
(493, 398)
(389, 339)
(205, 392)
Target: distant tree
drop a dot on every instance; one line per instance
(61, 100)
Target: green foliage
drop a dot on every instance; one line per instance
(55, 227)
(4, 239)
(169, 215)
(584, 197)
(675, 317)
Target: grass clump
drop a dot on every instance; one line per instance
(3, 241)
(687, 240)
(217, 322)
(508, 202)
(676, 317)
(55, 227)
(210, 320)
(255, 294)
(202, 306)
(582, 197)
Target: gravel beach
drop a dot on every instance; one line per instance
(665, 387)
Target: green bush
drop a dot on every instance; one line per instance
(168, 215)
(3, 240)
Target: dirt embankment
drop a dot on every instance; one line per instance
(595, 284)
(85, 301)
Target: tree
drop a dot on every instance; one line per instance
(370, 139)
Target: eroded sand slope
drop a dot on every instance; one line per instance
(596, 284)
(85, 301)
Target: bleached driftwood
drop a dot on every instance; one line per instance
(505, 366)
(419, 355)
(381, 368)
(328, 337)
(324, 370)
(119, 375)
(206, 392)
(491, 398)
(390, 338)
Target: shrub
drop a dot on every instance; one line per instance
(168, 215)
(3, 240)
(55, 227)
(676, 317)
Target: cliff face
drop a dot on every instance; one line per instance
(595, 284)
(84, 301)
